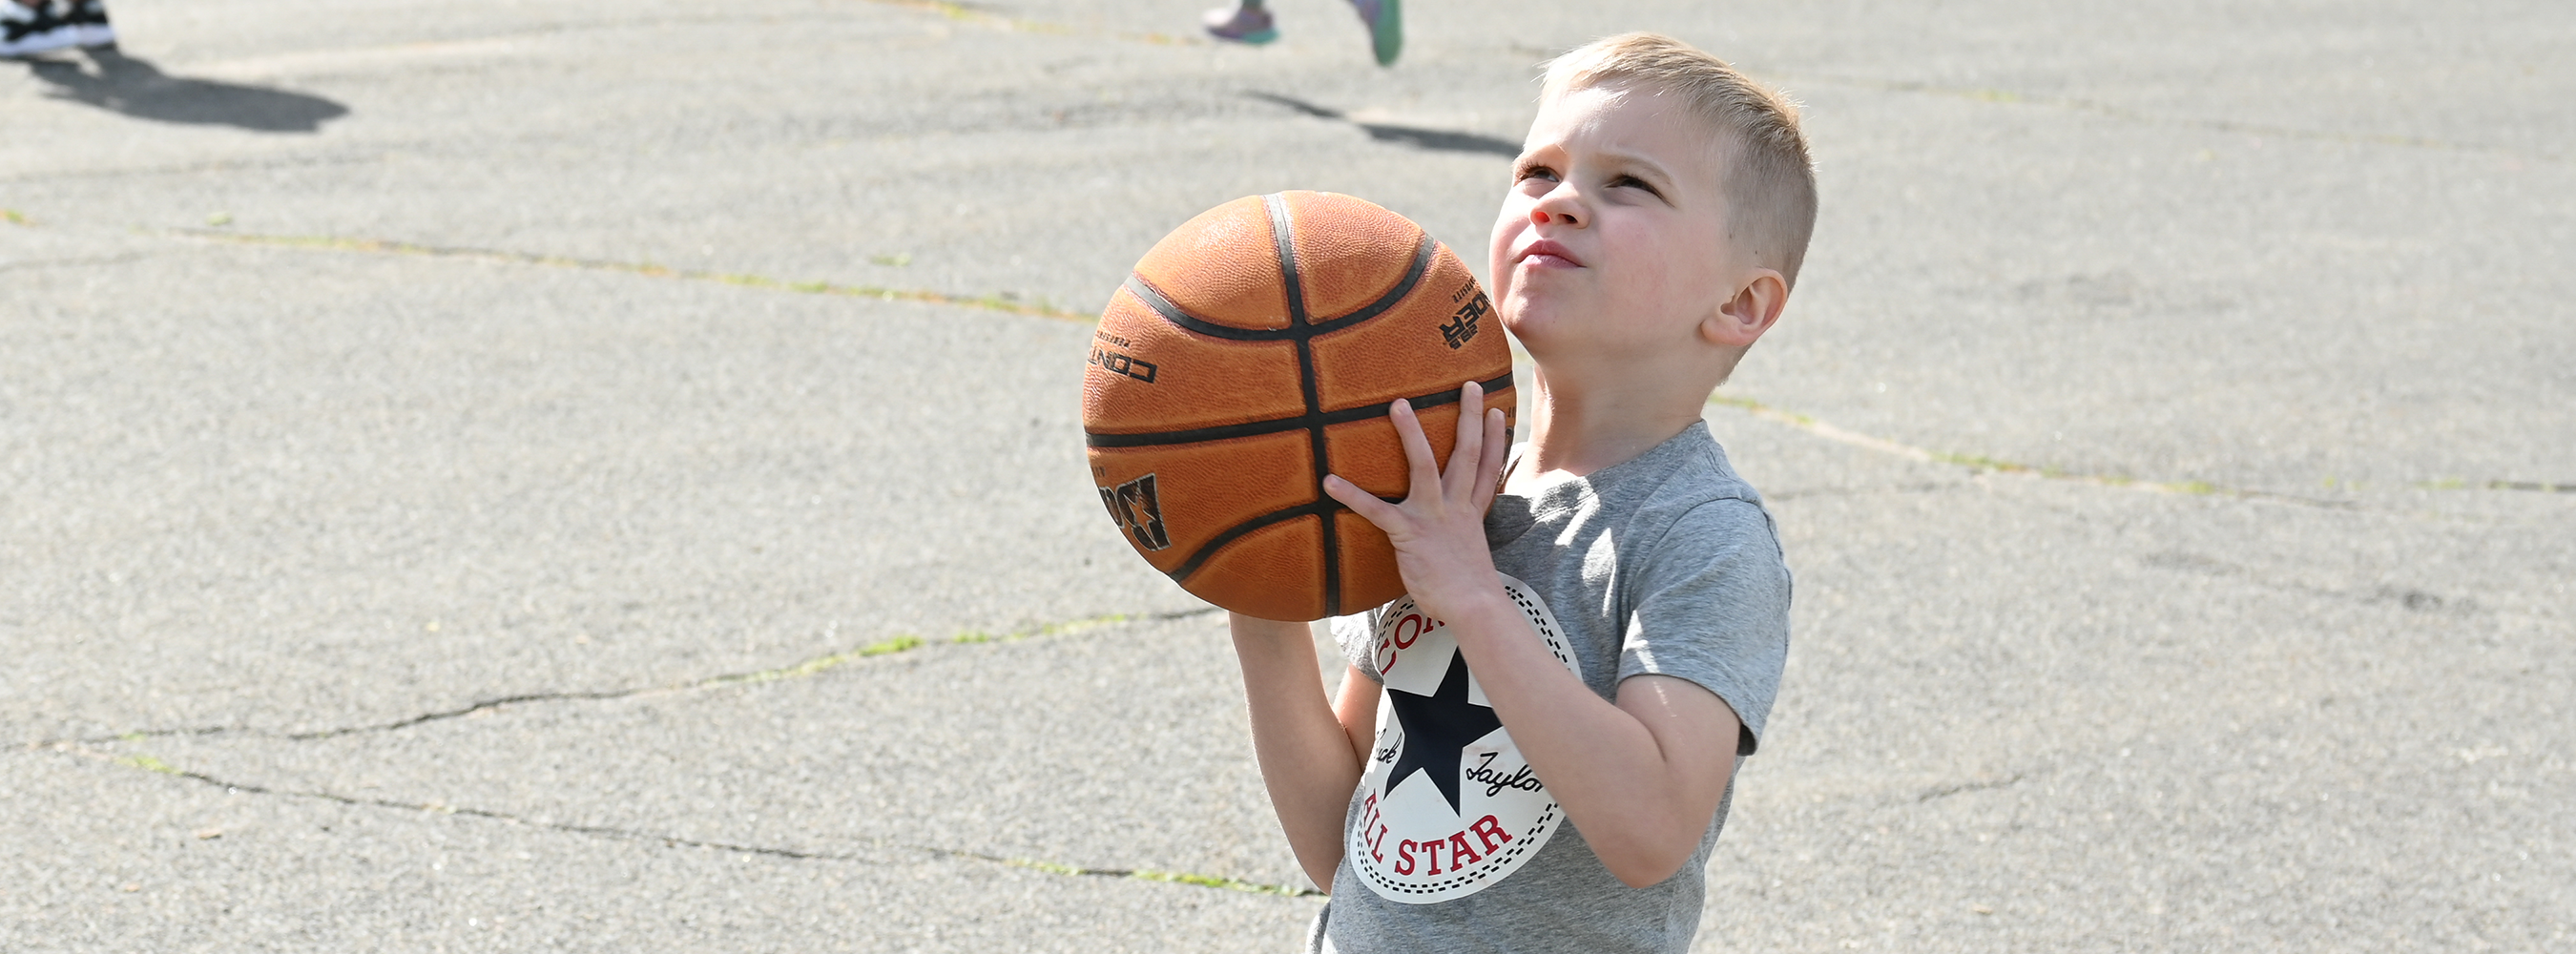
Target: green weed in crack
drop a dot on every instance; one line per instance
(146, 762)
(988, 302)
(1213, 881)
(2526, 486)
(2126, 114)
(1151, 874)
(1981, 464)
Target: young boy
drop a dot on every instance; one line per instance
(1540, 759)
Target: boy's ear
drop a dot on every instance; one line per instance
(1742, 319)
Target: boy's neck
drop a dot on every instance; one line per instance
(1575, 431)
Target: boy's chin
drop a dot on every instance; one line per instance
(1538, 316)
(1580, 337)
(1538, 334)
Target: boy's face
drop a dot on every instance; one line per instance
(1614, 233)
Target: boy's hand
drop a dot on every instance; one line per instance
(1439, 529)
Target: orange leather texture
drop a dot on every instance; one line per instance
(1349, 252)
(1223, 266)
(1405, 352)
(1197, 381)
(1269, 573)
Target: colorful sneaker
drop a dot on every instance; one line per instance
(25, 30)
(1241, 25)
(1385, 19)
(88, 20)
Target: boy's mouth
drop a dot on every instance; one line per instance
(1544, 252)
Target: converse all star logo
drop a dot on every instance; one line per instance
(1447, 807)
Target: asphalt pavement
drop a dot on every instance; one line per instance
(606, 476)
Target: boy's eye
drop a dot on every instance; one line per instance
(1534, 172)
(1634, 182)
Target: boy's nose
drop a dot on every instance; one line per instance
(1556, 208)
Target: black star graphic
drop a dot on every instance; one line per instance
(1436, 727)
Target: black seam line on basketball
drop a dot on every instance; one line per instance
(1282, 424)
(1181, 574)
(1162, 304)
(1276, 204)
(1423, 252)
(1282, 233)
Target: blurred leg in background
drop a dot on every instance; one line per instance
(1250, 22)
(29, 27)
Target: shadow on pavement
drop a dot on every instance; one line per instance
(1417, 137)
(135, 87)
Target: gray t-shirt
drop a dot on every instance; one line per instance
(1664, 564)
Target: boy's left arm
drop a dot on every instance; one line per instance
(1640, 777)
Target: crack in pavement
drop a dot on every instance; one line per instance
(1977, 462)
(1812, 492)
(1981, 463)
(2408, 598)
(992, 302)
(1945, 791)
(798, 670)
(2100, 108)
(75, 261)
(148, 763)
(267, 163)
(2531, 486)
(86, 748)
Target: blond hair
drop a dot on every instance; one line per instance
(1770, 187)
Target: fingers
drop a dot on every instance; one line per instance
(1425, 468)
(1468, 446)
(1471, 475)
(1498, 451)
(1367, 505)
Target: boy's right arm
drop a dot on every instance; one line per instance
(1311, 750)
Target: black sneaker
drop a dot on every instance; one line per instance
(88, 21)
(27, 30)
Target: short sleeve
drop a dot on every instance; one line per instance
(1353, 634)
(1712, 607)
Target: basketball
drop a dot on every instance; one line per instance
(1252, 352)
